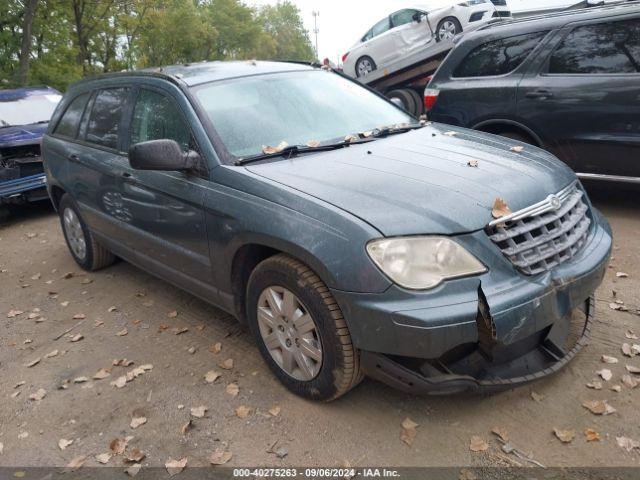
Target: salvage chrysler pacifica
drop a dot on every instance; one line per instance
(351, 238)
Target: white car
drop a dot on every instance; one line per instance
(413, 29)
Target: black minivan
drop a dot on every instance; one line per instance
(567, 82)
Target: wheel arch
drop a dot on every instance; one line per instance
(56, 193)
(497, 126)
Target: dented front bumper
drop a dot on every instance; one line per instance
(489, 332)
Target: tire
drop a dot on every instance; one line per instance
(450, 25)
(334, 369)
(409, 98)
(364, 66)
(518, 137)
(84, 248)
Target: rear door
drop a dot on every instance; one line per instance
(584, 101)
(381, 47)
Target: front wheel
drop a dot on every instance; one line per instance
(448, 28)
(364, 66)
(300, 330)
(84, 248)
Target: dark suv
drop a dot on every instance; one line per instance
(569, 83)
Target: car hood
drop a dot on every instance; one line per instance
(21, 135)
(422, 182)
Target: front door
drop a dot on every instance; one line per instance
(410, 34)
(585, 102)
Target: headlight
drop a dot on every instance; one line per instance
(421, 263)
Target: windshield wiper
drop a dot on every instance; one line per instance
(294, 150)
(394, 129)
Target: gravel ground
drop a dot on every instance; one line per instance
(124, 313)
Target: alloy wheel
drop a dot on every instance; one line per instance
(365, 67)
(74, 233)
(447, 30)
(289, 333)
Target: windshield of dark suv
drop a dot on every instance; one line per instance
(257, 115)
(27, 109)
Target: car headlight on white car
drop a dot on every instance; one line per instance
(422, 263)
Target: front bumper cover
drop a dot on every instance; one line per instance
(439, 378)
(20, 190)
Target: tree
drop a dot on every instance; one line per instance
(25, 48)
(290, 40)
(238, 29)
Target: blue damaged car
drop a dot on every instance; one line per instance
(350, 237)
(24, 116)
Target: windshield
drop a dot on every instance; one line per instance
(33, 108)
(253, 114)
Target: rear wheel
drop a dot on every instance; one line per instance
(364, 66)
(300, 330)
(84, 248)
(409, 98)
(448, 28)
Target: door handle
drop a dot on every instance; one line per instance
(74, 158)
(127, 177)
(541, 94)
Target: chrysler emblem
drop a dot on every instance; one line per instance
(555, 202)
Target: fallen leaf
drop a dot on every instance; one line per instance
(313, 143)
(122, 332)
(76, 338)
(133, 470)
(103, 458)
(618, 274)
(243, 411)
(473, 163)
(63, 443)
(227, 364)
(565, 436)
(450, 134)
(627, 350)
(180, 331)
(33, 363)
(137, 421)
(627, 443)
(633, 369)
(629, 382)
(233, 389)
(39, 395)
(501, 433)
(608, 359)
(120, 382)
(408, 432)
(80, 380)
(537, 397)
(595, 384)
(500, 209)
(215, 349)
(220, 457)
(211, 376)
(65, 303)
(598, 407)
(102, 374)
(135, 455)
(616, 388)
(592, 435)
(517, 149)
(172, 314)
(76, 463)
(118, 445)
(630, 335)
(174, 467)
(478, 444)
(192, 350)
(186, 427)
(14, 313)
(199, 412)
(51, 354)
(274, 411)
(79, 316)
(605, 374)
(618, 307)
(350, 138)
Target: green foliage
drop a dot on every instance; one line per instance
(75, 38)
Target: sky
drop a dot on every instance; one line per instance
(342, 22)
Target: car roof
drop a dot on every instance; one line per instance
(203, 72)
(560, 19)
(14, 94)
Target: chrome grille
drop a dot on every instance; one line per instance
(542, 236)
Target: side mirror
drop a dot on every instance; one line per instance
(417, 17)
(163, 155)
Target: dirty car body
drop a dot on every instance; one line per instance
(24, 115)
(396, 222)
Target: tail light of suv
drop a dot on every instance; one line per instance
(430, 98)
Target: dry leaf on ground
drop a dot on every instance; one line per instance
(186, 427)
(243, 411)
(172, 314)
(565, 436)
(51, 354)
(76, 463)
(103, 458)
(211, 376)
(605, 374)
(591, 435)
(598, 407)
(629, 382)
(199, 412)
(135, 455)
(102, 374)
(120, 381)
(76, 338)
(133, 470)
(227, 364)
(627, 443)
(118, 445)
(122, 332)
(274, 411)
(215, 349)
(622, 275)
(501, 432)
(408, 432)
(233, 389)
(537, 397)
(478, 444)
(174, 467)
(633, 369)
(64, 443)
(79, 316)
(608, 359)
(39, 395)
(595, 384)
(137, 421)
(220, 457)
(33, 363)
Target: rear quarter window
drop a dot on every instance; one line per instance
(70, 121)
(498, 57)
(106, 116)
(604, 48)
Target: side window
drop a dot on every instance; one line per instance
(156, 117)
(70, 121)
(368, 36)
(380, 27)
(612, 47)
(498, 57)
(402, 17)
(106, 116)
